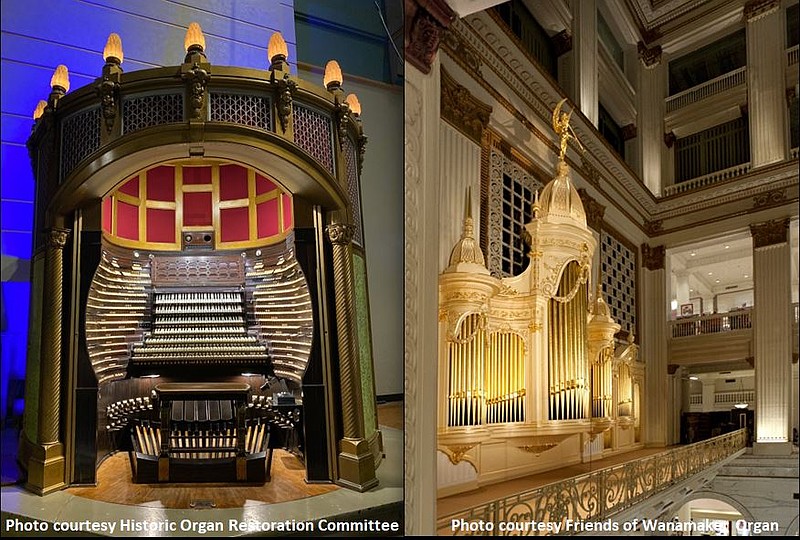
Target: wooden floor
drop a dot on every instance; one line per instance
(288, 481)
(114, 485)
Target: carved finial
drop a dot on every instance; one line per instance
(467, 255)
(536, 206)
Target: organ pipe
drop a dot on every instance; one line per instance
(567, 347)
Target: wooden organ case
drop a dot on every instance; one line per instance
(200, 277)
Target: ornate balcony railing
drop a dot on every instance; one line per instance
(708, 179)
(700, 92)
(712, 324)
(791, 55)
(594, 496)
(696, 399)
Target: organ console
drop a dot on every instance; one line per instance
(202, 278)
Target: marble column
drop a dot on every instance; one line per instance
(654, 343)
(422, 192)
(681, 287)
(766, 43)
(584, 58)
(675, 404)
(772, 327)
(650, 108)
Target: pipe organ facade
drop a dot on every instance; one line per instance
(530, 371)
(206, 291)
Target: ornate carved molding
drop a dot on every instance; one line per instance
(463, 53)
(285, 92)
(340, 233)
(650, 56)
(426, 22)
(107, 90)
(653, 257)
(756, 9)
(770, 198)
(466, 112)
(562, 42)
(590, 172)
(594, 210)
(629, 132)
(456, 453)
(769, 233)
(653, 227)
(342, 117)
(362, 150)
(57, 238)
(197, 78)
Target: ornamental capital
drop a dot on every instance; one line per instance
(57, 238)
(340, 233)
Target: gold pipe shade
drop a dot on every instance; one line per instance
(602, 384)
(568, 363)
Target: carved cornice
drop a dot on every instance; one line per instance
(594, 210)
(756, 9)
(650, 56)
(653, 257)
(426, 22)
(466, 112)
(775, 197)
(562, 42)
(461, 52)
(769, 233)
(340, 233)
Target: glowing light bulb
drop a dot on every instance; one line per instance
(60, 78)
(194, 38)
(333, 75)
(355, 105)
(39, 110)
(112, 52)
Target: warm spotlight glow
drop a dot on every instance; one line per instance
(277, 47)
(694, 378)
(194, 38)
(113, 49)
(60, 78)
(39, 110)
(333, 74)
(355, 105)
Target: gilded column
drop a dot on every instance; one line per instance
(654, 341)
(356, 462)
(46, 464)
(772, 330)
(766, 31)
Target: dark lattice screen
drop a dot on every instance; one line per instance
(618, 276)
(139, 112)
(517, 200)
(247, 110)
(313, 132)
(80, 136)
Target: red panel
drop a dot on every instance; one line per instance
(127, 221)
(234, 224)
(131, 187)
(197, 175)
(161, 184)
(287, 212)
(160, 225)
(197, 209)
(232, 182)
(107, 214)
(263, 185)
(267, 213)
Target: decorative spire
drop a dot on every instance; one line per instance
(467, 255)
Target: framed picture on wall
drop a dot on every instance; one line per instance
(687, 310)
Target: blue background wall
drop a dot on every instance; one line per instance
(37, 35)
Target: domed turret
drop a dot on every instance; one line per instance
(467, 255)
(560, 202)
